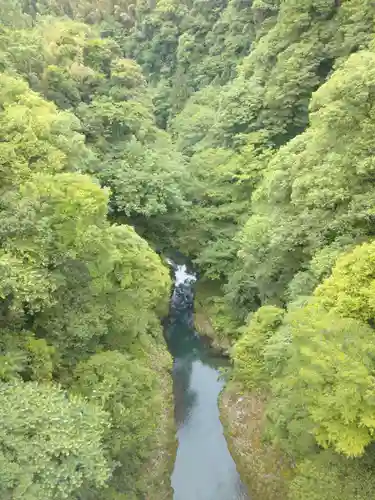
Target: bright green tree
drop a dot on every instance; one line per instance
(325, 388)
(249, 352)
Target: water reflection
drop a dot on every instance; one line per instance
(204, 468)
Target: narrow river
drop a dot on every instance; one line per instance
(204, 468)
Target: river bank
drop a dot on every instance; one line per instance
(261, 466)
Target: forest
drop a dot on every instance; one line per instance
(239, 132)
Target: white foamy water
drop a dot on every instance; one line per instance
(204, 468)
(183, 276)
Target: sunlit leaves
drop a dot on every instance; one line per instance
(249, 352)
(329, 379)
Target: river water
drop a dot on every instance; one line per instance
(204, 468)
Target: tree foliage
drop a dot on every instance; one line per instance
(129, 393)
(251, 365)
(73, 286)
(263, 175)
(50, 445)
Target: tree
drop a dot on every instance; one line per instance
(50, 445)
(129, 392)
(315, 191)
(36, 136)
(349, 289)
(328, 476)
(249, 352)
(325, 387)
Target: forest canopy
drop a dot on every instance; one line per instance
(81, 296)
(240, 132)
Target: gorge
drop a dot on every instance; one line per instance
(241, 134)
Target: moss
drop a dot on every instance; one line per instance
(262, 467)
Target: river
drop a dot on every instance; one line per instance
(204, 468)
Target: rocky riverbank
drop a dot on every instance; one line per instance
(262, 467)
